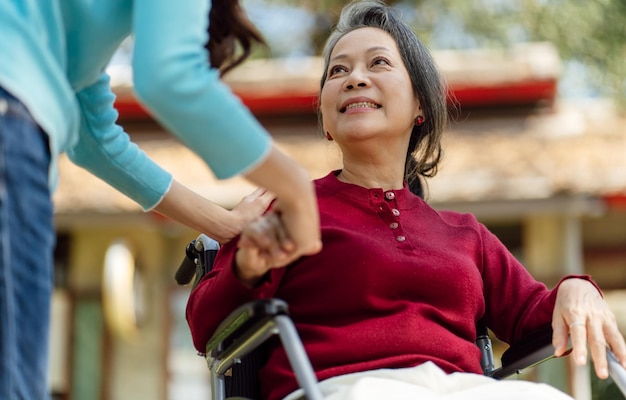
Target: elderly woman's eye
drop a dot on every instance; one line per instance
(380, 61)
(337, 69)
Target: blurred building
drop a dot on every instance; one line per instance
(548, 177)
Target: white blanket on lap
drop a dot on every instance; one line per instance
(429, 382)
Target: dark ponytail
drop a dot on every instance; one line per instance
(229, 26)
(412, 176)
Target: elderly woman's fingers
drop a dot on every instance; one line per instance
(616, 342)
(560, 335)
(578, 335)
(597, 347)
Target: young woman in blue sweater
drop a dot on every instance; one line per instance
(55, 97)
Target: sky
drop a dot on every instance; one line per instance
(287, 29)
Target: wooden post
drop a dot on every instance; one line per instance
(553, 248)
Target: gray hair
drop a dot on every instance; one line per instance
(424, 152)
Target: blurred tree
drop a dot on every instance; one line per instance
(590, 34)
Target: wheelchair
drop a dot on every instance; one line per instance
(235, 352)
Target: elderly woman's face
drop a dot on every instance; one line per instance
(368, 89)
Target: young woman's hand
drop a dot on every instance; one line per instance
(250, 208)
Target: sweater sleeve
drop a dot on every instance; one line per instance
(104, 149)
(220, 292)
(173, 78)
(516, 303)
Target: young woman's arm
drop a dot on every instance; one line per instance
(189, 208)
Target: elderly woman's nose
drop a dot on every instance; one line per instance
(360, 84)
(356, 79)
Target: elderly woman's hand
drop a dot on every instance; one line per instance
(581, 312)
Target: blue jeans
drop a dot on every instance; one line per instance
(26, 250)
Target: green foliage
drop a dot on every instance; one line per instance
(604, 389)
(591, 33)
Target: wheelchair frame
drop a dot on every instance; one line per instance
(234, 353)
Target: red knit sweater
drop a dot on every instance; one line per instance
(397, 284)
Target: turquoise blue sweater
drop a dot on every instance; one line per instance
(53, 55)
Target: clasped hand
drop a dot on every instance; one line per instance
(267, 243)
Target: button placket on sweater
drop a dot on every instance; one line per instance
(389, 212)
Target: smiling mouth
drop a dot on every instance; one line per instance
(360, 104)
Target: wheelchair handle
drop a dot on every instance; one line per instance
(617, 372)
(187, 268)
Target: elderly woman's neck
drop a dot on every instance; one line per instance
(372, 177)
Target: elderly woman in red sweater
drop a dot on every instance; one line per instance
(398, 288)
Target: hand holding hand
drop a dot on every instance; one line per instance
(296, 203)
(581, 313)
(264, 244)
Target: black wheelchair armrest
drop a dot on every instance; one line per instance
(241, 323)
(529, 351)
(537, 348)
(245, 330)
